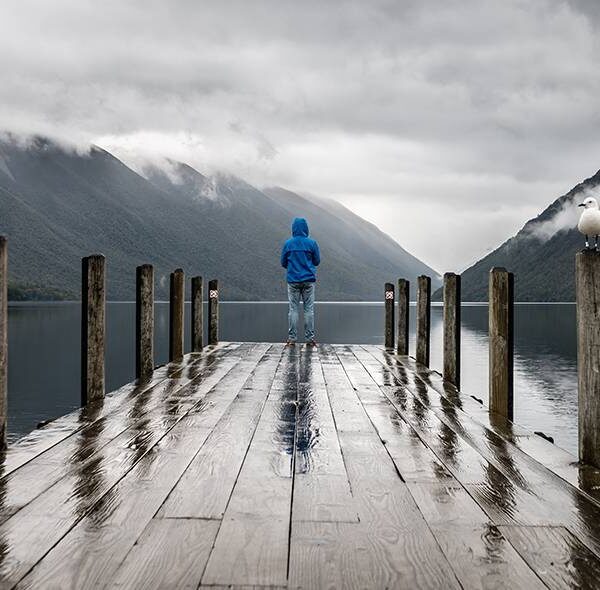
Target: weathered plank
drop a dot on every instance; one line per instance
(88, 496)
(321, 487)
(556, 556)
(479, 553)
(404, 551)
(205, 488)
(171, 553)
(513, 488)
(252, 544)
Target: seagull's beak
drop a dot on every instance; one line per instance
(581, 205)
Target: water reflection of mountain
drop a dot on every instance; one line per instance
(540, 329)
(545, 366)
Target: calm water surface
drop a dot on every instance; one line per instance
(44, 353)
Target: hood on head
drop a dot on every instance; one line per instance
(300, 227)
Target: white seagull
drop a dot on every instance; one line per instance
(589, 222)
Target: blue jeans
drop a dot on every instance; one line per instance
(306, 292)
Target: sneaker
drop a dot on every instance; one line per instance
(312, 344)
(290, 343)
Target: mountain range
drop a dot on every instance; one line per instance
(541, 255)
(58, 205)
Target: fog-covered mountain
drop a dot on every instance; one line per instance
(57, 205)
(541, 255)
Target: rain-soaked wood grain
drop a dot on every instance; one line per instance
(403, 315)
(512, 488)
(33, 445)
(479, 553)
(204, 489)
(113, 434)
(252, 544)
(93, 328)
(3, 339)
(144, 322)
(423, 319)
(344, 466)
(171, 553)
(197, 315)
(93, 549)
(86, 488)
(555, 555)
(407, 555)
(555, 459)
(321, 488)
(452, 300)
(213, 311)
(176, 311)
(588, 360)
(501, 320)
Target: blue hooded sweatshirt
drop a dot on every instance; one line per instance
(300, 254)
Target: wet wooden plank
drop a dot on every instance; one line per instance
(321, 488)
(556, 556)
(323, 498)
(171, 553)
(413, 459)
(249, 551)
(204, 489)
(81, 449)
(252, 544)
(515, 488)
(86, 513)
(408, 554)
(347, 555)
(479, 553)
(42, 439)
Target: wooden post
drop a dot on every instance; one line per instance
(423, 319)
(93, 328)
(197, 325)
(144, 322)
(176, 303)
(213, 311)
(501, 317)
(3, 339)
(403, 315)
(452, 328)
(588, 358)
(389, 303)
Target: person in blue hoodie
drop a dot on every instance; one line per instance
(299, 256)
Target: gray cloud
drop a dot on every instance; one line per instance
(448, 123)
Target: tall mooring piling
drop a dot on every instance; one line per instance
(587, 272)
(93, 328)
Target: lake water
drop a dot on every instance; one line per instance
(44, 349)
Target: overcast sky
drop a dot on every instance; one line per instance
(448, 123)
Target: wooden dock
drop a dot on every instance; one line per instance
(255, 465)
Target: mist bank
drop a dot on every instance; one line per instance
(58, 205)
(541, 255)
